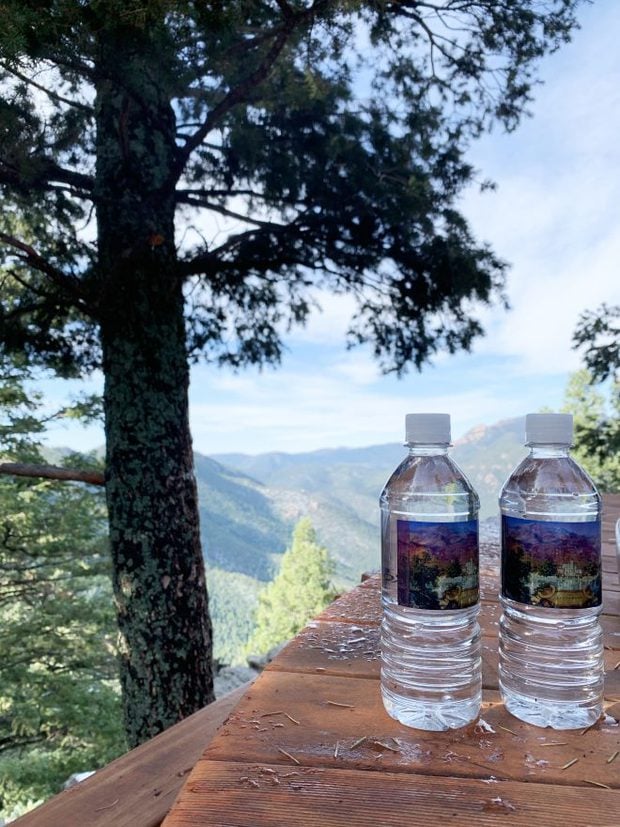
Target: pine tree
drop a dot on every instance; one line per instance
(60, 704)
(597, 335)
(300, 590)
(597, 428)
(332, 135)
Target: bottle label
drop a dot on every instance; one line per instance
(437, 564)
(552, 564)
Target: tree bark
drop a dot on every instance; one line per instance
(158, 569)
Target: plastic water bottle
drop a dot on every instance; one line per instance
(430, 638)
(551, 647)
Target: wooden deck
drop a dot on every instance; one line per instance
(309, 744)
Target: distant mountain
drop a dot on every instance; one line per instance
(241, 530)
(355, 476)
(250, 504)
(246, 524)
(487, 454)
(272, 465)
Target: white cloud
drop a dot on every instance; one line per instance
(357, 367)
(328, 323)
(310, 408)
(555, 215)
(548, 291)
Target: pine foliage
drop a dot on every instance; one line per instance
(597, 428)
(301, 590)
(60, 708)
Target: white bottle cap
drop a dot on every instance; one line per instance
(430, 429)
(548, 429)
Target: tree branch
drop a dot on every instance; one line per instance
(29, 256)
(52, 95)
(52, 472)
(49, 171)
(286, 10)
(197, 201)
(78, 180)
(203, 194)
(12, 741)
(209, 259)
(236, 95)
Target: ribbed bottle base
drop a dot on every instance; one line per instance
(434, 716)
(555, 715)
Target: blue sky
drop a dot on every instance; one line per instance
(555, 216)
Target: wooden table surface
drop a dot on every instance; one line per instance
(310, 743)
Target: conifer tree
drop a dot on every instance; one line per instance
(597, 428)
(60, 704)
(300, 590)
(331, 135)
(597, 335)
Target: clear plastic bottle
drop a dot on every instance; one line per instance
(430, 637)
(551, 647)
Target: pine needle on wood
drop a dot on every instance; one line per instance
(288, 755)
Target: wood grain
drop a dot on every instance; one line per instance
(311, 743)
(331, 713)
(349, 649)
(248, 794)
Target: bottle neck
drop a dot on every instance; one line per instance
(419, 449)
(551, 451)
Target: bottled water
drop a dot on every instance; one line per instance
(430, 638)
(551, 648)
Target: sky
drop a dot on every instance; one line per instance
(555, 216)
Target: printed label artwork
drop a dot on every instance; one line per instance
(551, 564)
(437, 564)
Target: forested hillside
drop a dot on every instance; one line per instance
(352, 478)
(249, 505)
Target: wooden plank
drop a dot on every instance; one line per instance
(346, 649)
(611, 506)
(361, 606)
(316, 716)
(137, 789)
(338, 643)
(332, 647)
(232, 794)
(329, 715)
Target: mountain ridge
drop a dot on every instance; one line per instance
(486, 453)
(249, 505)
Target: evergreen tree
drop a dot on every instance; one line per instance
(598, 336)
(60, 705)
(597, 428)
(329, 134)
(300, 591)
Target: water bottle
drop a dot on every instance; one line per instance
(430, 637)
(551, 646)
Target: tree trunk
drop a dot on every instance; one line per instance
(158, 569)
